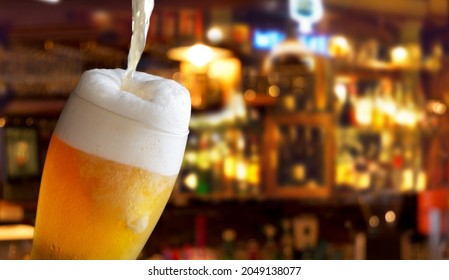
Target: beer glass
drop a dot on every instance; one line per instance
(109, 171)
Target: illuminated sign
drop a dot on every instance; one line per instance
(266, 40)
(306, 13)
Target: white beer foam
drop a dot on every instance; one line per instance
(160, 103)
(155, 104)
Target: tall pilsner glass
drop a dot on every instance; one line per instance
(111, 166)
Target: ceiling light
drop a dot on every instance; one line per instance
(199, 55)
(50, 1)
(215, 35)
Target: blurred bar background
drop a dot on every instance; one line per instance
(319, 128)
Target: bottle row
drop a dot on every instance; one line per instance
(367, 160)
(378, 104)
(225, 162)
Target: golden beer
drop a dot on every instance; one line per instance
(112, 208)
(108, 173)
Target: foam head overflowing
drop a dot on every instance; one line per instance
(102, 119)
(159, 103)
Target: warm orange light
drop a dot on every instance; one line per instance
(199, 54)
(241, 170)
(436, 107)
(339, 46)
(229, 167)
(253, 171)
(215, 35)
(363, 112)
(191, 181)
(407, 117)
(400, 55)
(274, 91)
(407, 180)
(340, 92)
(390, 216)
(421, 181)
(250, 95)
(373, 221)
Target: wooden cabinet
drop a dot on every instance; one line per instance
(299, 155)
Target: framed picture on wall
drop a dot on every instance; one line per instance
(21, 153)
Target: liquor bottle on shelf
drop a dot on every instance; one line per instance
(285, 158)
(230, 160)
(364, 107)
(204, 166)
(299, 166)
(317, 140)
(397, 167)
(410, 108)
(388, 105)
(421, 174)
(216, 154)
(286, 240)
(200, 236)
(188, 177)
(363, 179)
(228, 246)
(241, 165)
(254, 167)
(344, 173)
(378, 117)
(253, 131)
(270, 250)
(347, 113)
(401, 116)
(410, 170)
(253, 250)
(311, 155)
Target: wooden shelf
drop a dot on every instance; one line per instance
(261, 100)
(374, 70)
(25, 107)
